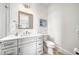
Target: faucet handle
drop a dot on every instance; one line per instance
(26, 32)
(16, 34)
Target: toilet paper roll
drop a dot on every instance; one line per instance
(76, 50)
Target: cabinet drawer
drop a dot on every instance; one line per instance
(26, 40)
(40, 41)
(40, 51)
(10, 51)
(40, 38)
(39, 44)
(7, 44)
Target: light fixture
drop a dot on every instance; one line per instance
(26, 5)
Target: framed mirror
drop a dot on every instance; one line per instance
(25, 20)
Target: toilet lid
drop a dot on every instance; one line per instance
(50, 42)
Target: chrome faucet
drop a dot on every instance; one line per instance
(27, 32)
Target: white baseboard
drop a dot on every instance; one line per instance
(64, 51)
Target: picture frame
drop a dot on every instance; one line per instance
(43, 22)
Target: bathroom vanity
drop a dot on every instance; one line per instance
(25, 45)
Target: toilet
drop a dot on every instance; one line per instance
(50, 46)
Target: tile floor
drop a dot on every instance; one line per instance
(56, 52)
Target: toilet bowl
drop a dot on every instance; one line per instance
(51, 45)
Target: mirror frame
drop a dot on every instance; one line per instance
(30, 20)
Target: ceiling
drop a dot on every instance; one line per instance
(44, 4)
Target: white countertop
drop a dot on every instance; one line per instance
(10, 37)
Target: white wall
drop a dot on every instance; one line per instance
(63, 21)
(54, 22)
(36, 10)
(43, 14)
(70, 23)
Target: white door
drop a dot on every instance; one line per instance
(4, 19)
(27, 49)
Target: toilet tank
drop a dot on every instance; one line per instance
(47, 37)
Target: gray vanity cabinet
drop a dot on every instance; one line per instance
(22, 46)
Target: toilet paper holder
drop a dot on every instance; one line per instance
(76, 51)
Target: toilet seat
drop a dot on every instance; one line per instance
(50, 44)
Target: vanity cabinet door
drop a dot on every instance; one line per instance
(27, 49)
(10, 51)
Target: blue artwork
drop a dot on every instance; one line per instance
(43, 23)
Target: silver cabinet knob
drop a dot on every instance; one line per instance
(0, 42)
